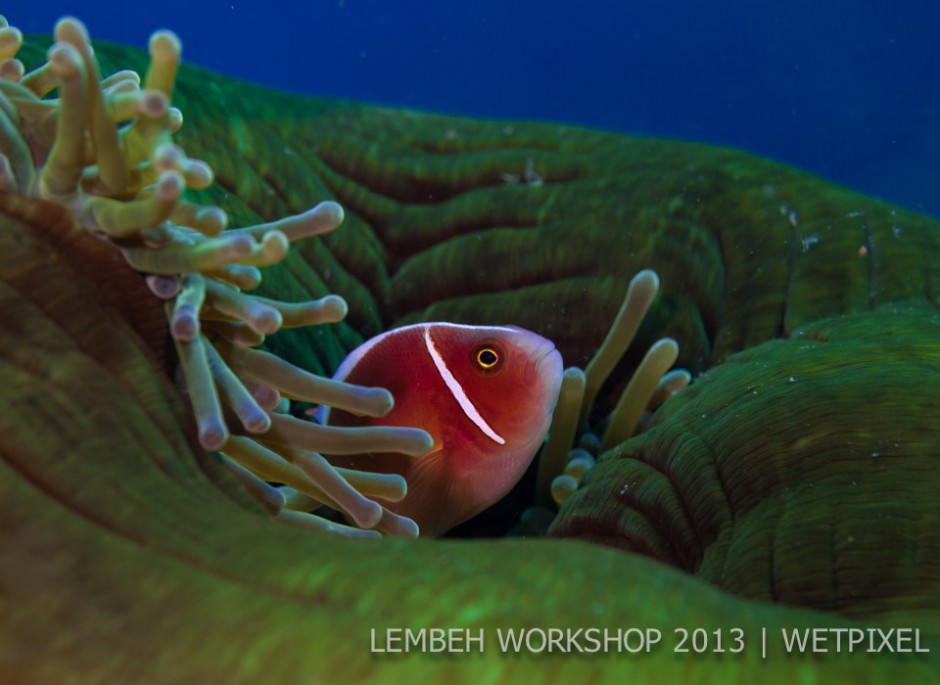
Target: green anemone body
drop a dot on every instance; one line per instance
(127, 556)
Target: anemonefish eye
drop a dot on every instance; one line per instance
(488, 358)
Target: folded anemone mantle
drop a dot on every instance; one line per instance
(130, 554)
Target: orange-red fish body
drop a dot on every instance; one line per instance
(484, 393)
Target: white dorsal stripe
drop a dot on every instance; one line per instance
(454, 386)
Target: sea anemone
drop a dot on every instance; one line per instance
(573, 442)
(102, 150)
(116, 568)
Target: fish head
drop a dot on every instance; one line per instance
(505, 380)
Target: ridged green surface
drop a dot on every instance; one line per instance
(123, 561)
(747, 249)
(800, 471)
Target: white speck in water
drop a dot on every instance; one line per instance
(809, 241)
(792, 379)
(897, 230)
(876, 453)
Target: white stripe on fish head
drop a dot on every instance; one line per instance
(458, 392)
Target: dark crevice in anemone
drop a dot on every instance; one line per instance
(709, 311)
(610, 534)
(672, 527)
(458, 145)
(374, 212)
(772, 561)
(393, 175)
(619, 526)
(403, 246)
(719, 478)
(434, 277)
(834, 559)
(607, 531)
(715, 327)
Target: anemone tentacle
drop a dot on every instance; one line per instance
(126, 185)
(126, 541)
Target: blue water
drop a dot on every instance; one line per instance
(847, 89)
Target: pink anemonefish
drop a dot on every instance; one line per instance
(484, 393)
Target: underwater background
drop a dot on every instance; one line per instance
(846, 90)
(790, 487)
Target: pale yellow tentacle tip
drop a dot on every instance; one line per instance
(170, 186)
(165, 45)
(396, 526)
(647, 278)
(64, 60)
(12, 70)
(122, 76)
(153, 103)
(174, 119)
(71, 30)
(333, 308)
(563, 487)
(329, 212)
